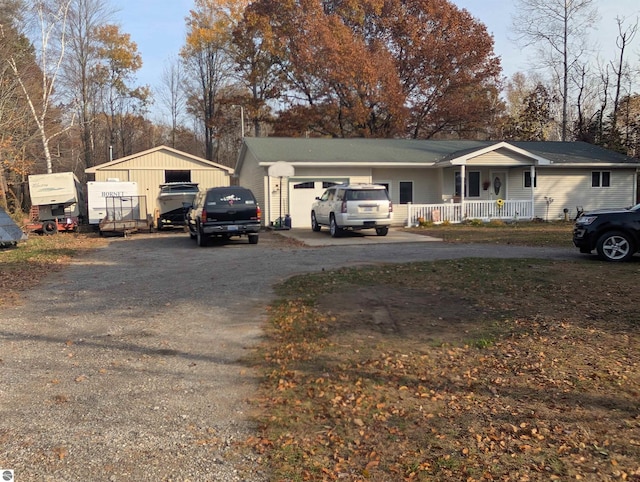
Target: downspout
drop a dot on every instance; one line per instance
(533, 192)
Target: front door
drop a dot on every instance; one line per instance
(499, 185)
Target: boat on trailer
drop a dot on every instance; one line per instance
(173, 201)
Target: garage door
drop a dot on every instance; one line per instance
(302, 196)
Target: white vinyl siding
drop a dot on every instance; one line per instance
(570, 188)
(499, 158)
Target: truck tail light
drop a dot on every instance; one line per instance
(390, 207)
(258, 213)
(203, 215)
(343, 207)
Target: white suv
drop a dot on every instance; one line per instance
(353, 206)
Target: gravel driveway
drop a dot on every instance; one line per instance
(126, 366)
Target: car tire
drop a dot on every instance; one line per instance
(201, 238)
(253, 239)
(314, 222)
(382, 231)
(615, 246)
(334, 229)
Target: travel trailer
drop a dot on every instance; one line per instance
(99, 194)
(57, 203)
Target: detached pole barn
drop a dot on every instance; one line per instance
(161, 165)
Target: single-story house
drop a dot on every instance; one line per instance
(161, 165)
(439, 180)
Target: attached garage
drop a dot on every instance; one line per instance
(318, 164)
(303, 193)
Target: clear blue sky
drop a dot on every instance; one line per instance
(497, 16)
(158, 28)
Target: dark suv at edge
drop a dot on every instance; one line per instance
(613, 233)
(224, 212)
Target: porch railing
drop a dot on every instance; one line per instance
(458, 212)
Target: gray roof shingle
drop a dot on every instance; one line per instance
(420, 152)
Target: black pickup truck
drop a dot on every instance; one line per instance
(613, 233)
(224, 212)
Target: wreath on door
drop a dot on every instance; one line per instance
(497, 184)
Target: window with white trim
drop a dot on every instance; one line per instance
(527, 179)
(472, 184)
(601, 179)
(406, 192)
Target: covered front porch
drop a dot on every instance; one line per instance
(457, 212)
(482, 185)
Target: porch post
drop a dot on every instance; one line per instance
(463, 184)
(533, 192)
(266, 215)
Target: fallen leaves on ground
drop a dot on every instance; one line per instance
(550, 398)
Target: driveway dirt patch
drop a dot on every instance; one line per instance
(126, 366)
(433, 316)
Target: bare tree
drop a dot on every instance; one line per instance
(172, 94)
(49, 17)
(621, 69)
(84, 18)
(557, 29)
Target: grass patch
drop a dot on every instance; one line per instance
(521, 234)
(23, 266)
(454, 370)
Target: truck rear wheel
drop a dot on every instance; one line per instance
(201, 238)
(253, 239)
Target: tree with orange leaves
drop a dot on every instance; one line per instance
(382, 68)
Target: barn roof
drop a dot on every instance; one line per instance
(167, 149)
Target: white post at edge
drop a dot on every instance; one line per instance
(533, 192)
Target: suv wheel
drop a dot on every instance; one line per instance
(253, 239)
(615, 246)
(333, 227)
(382, 231)
(314, 222)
